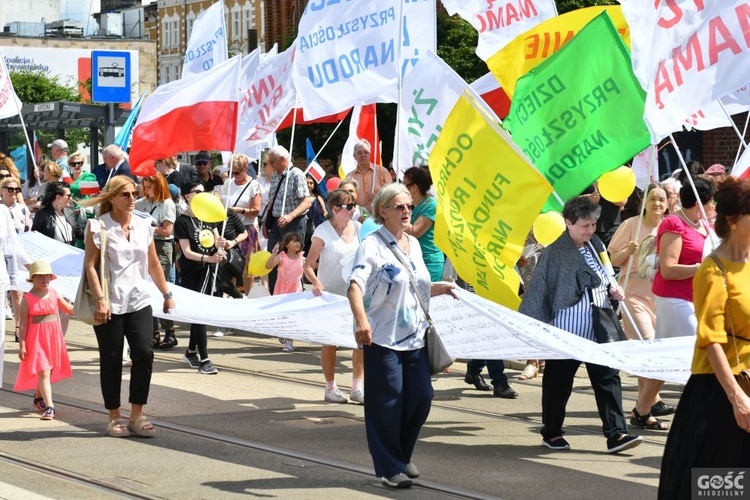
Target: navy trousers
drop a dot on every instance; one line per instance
(495, 368)
(399, 395)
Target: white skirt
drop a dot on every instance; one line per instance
(674, 318)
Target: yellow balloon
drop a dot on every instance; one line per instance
(617, 185)
(342, 174)
(257, 264)
(208, 208)
(548, 227)
(206, 238)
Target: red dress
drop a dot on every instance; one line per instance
(45, 345)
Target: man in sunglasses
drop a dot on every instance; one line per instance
(205, 175)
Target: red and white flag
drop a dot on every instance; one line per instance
(316, 171)
(492, 93)
(741, 169)
(363, 125)
(10, 104)
(89, 188)
(193, 113)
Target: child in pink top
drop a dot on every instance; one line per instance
(44, 358)
(290, 262)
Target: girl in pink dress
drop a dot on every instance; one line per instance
(289, 280)
(44, 357)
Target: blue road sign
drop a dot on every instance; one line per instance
(110, 76)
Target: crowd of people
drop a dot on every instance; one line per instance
(680, 247)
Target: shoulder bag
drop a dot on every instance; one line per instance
(437, 354)
(234, 267)
(607, 327)
(84, 305)
(743, 377)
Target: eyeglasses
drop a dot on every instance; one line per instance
(13, 189)
(201, 163)
(194, 191)
(129, 194)
(401, 207)
(348, 206)
(236, 172)
(5, 176)
(75, 163)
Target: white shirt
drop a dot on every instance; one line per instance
(128, 261)
(396, 318)
(330, 262)
(160, 211)
(14, 255)
(241, 196)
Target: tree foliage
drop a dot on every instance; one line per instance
(564, 6)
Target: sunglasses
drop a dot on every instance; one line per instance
(401, 207)
(5, 176)
(348, 206)
(129, 194)
(236, 172)
(201, 163)
(76, 163)
(13, 190)
(194, 191)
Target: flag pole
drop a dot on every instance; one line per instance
(397, 148)
(739, 148)
(20, 114)
(734, 125)
(327, 141)
(291, 146)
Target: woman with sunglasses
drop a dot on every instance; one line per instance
(243, 195)
(56, 219)
(75, 162)
(9, 192)
(131, 256)
(333, 241)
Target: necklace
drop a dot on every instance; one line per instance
(687, 219)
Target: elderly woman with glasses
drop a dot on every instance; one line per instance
(390, 324)
(243, 194)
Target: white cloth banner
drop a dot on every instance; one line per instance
(498, 22)
(268, 99)
(207, 46)
(428, 97)
(10, 104)
(471, 327)
(419, 34)
(686, 56)
(348, 55)
(645, 171)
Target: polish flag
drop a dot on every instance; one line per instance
(316, 171)
(194, 113)
(89, 188)
(490, 90)
(364, 125)
(287, 122)
(741, 169)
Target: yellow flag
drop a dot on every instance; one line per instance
(531, 48)
(488, 196)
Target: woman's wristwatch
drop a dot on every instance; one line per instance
(167, 295)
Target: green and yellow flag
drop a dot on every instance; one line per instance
(579, 114)
(488, 196)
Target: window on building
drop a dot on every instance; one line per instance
(165, 38)
(191, 21)
(165, 74)
(176, 33)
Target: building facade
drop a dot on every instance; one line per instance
(243, 20)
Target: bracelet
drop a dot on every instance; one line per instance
(202, 257)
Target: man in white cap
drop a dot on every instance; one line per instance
(59, 152)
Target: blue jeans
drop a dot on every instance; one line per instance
(495, 368)
(399, 395)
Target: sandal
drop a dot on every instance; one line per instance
(529, 371)
(156, 339)
(170, 340)
(16, 333)
(49, 413)
(142, 428)
(117, 428)
(39, 403)
(642, 421)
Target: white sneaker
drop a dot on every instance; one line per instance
(223, 333)
(288, 346)
(357, 396)
(334, 396)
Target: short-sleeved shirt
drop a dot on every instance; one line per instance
(21, 216)
(691, 253)
(432, 255)
(370, 183)
(396, 317)
(335, 249)
(296, 191)
(159, 211)
(712, 314)
(265, 188)
(127, 259)
(190, 228)
(241, 196)
(234, 226)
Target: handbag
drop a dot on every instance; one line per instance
(607, 327)
(235, 264)
(84, 305)
(743, 377)
(438, 356)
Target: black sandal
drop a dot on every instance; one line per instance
(642, 421)
(170, 340)
(156, 339)
(16, 333)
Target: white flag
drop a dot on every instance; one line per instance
(686, 56)
(10, 104)
(646, 167)
(419, 34)
(500, 21)
(207, 46)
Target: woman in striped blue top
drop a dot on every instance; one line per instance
(568, 277)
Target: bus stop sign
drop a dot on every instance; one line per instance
(110, 76)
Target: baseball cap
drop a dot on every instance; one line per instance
(202, 156)
(716, 169)
(59, 143)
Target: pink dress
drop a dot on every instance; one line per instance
(45, 345)
(289, 277)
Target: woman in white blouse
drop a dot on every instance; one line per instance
(10, 189)
(131, 256)
(390, 325)
(332, 242)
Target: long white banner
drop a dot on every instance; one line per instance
(471, 327)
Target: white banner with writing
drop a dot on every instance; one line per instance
(498, 22)
(207, 46)
(10, 104)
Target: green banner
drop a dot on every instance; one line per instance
(579, 114)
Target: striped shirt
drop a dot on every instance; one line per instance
(577, 319)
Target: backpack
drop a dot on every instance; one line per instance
(647, 258)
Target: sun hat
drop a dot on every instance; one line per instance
(40, 267)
